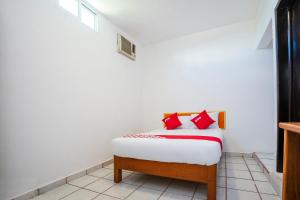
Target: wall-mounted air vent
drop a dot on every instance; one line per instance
(125, 47)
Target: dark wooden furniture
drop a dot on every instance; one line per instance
(288, 67)
(291, 161)
(190, 172)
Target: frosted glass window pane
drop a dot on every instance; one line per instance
(88, 17)
(70, 5)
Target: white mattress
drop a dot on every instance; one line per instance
(201, 152)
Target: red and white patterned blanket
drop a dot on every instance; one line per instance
(180, 137)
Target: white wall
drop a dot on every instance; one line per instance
(266, 33)
(65, 93)
(264, 17)
(218, 69)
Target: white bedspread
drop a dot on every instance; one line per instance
(201, 152)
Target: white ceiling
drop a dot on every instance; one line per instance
(152, 21)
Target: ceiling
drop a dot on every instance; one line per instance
(151, 21)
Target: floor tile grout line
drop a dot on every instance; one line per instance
(98, 176)
(264, 158)
(133, 191)
(108, 188)
(107, 179)
(139, 187)
(125, 184)
(235, 163)
(274, 195)
(132, 183)
(183, 194)
(122, 182)
(90, 190)
(253, 181)
(245, 191)
(91, 173)
(84, 187)
(96, 191)
(246, 178)
(143, 186)
(254, 164)
(164, 191)
(86, 184)
(92, 182)
(249, 191)
(243, 170)
(95, 197)
(110, 196)
(79, 188)
(195, 190)
(70, 193)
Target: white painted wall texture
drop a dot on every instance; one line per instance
(65, 93)
(218, 69)
(265, 16)
(266, 33)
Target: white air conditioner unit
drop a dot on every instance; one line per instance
(125, 47)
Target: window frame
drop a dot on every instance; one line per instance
(60, 6)
(92, 10)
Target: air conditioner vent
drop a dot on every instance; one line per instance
(125, 47)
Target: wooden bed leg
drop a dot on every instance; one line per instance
(212, 183)
(117, 170)
(117, 175)
(212, 190)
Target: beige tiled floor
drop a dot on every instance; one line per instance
(239, 178)
(268, 160)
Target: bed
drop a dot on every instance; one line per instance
(178, 156)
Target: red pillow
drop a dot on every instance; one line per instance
(203, 120)
(172, 121)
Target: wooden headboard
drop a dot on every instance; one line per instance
(222, 116)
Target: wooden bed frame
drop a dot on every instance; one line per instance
(190, 172)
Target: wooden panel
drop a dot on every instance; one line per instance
(197, 173)
(189, 172)
(291, 164)
(291, 161)
(222, 116)
(291, 126)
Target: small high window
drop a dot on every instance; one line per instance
(80, 9)
(88, 17)
(70, 5)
